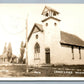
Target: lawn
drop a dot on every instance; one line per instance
(19, 70)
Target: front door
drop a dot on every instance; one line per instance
(47, 53)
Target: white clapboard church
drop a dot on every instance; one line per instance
(48, 45)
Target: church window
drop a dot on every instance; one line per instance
(36, 36)
(55, 24)
(46, 24)
(72, 52)
(54, 13)
(79, 53)
(36, 51)
(46, 14)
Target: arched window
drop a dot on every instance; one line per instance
(37, 48)
(36, 51)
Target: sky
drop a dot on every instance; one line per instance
(13, 21)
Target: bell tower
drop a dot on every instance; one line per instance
(49, 12)
(51, 32)
(51, 24)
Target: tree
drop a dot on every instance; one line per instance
(22, 50)
(9, 52)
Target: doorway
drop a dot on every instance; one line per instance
(47, 54)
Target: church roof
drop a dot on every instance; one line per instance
(66, 38)
(39, 26)
(50, 18)
(71, 39)
(50, 9)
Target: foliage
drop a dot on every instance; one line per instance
(24, 61)
(22, 50)
(9, 52)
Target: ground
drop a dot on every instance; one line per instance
(19, 70)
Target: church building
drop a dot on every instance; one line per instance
(48, 45)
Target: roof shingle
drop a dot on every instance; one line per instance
(66, 38)
(71, 39)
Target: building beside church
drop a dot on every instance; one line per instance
(48, 45)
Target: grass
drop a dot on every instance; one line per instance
(19, 70)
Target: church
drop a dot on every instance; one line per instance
(48, 45)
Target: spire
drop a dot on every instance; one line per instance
(49, 12)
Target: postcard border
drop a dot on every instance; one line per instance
(41, 1)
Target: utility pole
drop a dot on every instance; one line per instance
(27, 70)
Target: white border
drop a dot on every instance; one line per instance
(43, 79)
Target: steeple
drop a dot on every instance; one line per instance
(49, 12)
(51, 28)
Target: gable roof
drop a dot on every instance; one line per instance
(51, 9)
(66, 38)
(71, 39)
(39, 27)
(50, 18)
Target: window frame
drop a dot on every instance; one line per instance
(72, 47)
(36, 51)
(79, 52)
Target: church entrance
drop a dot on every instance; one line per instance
(47, 54)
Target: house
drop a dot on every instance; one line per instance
(48, 45)
(3, 58)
